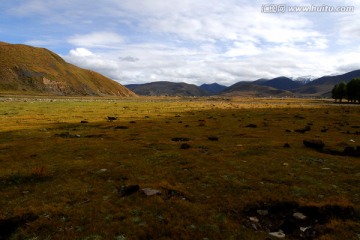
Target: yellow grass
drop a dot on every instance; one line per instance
(71, 183)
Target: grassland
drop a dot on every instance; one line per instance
(63, 162)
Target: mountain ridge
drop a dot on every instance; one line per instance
(279, 86)
(30, 70)
(166, 88)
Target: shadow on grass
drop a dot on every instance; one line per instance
(19, 179)
(10, 225)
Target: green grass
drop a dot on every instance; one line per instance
(75, 195)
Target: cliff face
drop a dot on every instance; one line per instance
(25, 69)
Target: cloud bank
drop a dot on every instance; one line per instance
(195, 41)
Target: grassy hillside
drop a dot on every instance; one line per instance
(225, 169)
(164, 88)
(30, 70)
(253, 90)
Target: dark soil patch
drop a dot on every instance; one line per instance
(128, 190)
(67, 135)
(171, 193)
(314, 143)
(286, 145)
(109, 118)
(185, 146)
(17, 179)
(10, 225)
(303, 130)
(121, 127)
(180, 139)
(95, 136)
(294, 220)
(213, 138)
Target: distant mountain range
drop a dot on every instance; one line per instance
(163, 88)
(280, 86)
(29, 70)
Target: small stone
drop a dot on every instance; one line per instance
(278, 234)
(303, 229)
(150, 191)
(254, 219)
(299, 216)
(285, 164)
(102, 170)
(111, 118)
(254, 227)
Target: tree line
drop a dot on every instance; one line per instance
(349, 91)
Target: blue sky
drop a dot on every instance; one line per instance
(193, 41)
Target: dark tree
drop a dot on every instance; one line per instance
(353, 90)
(342, 90)
(339, 91)
(335, 92)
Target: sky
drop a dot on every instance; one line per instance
(192, 41)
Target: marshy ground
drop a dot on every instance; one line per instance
(213, 168)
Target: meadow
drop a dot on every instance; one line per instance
(217, 168)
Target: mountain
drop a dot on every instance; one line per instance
(213, 88)
(279, 86)
(254, 90)
(322, 86)
(163, 88)
(282, 83)
(304, 79)
(30, 70)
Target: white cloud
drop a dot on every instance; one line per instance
(97, 39)
(84, 58)
(197, 41)
(243, 49)
(80, 52)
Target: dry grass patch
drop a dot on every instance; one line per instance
(205, 189)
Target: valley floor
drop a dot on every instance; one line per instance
(220, 168)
